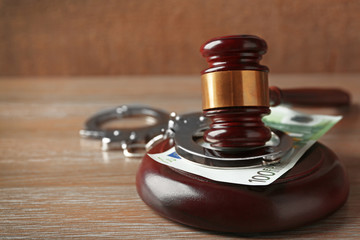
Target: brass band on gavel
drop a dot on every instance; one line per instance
(234, 89)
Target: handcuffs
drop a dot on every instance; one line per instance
(185, 131)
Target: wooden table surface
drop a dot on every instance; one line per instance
(53, 184)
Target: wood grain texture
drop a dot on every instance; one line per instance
(112, 37)
(55, 185)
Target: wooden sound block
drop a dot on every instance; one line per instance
(312, 190)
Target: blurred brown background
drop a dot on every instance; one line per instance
(118, 37)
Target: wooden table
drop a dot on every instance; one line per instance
(53, 184)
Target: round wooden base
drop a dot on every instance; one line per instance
(313, 189)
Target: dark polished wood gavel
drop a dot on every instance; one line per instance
(236, 94)
(235, 97)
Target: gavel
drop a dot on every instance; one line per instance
(235, 98)
(236, 94)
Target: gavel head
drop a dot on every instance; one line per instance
(235, 92)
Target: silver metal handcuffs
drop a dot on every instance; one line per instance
(186, 132)
(125, 139)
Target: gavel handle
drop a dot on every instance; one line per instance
(310, 97)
